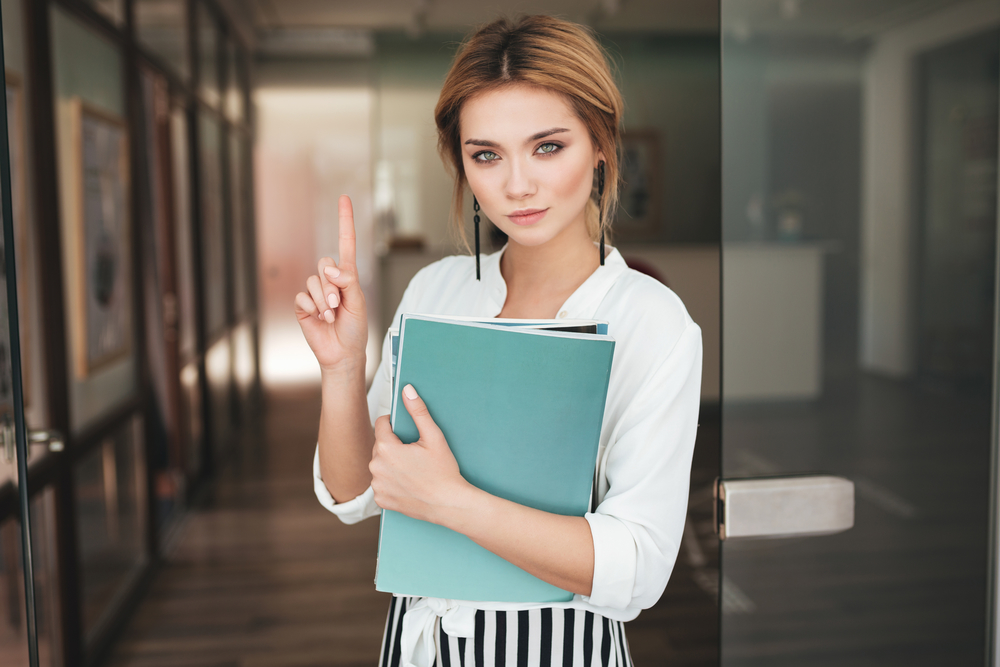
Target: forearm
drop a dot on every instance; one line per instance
(345, 434)
(557, 549)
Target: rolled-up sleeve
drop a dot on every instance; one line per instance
(637, 526)
(352, 511)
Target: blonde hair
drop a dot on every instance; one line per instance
(542, 51)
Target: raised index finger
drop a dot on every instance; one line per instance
(347, 237)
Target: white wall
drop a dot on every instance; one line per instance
(313, 144)
(888, 221)
(416, 179)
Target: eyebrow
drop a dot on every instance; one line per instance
(534, 137)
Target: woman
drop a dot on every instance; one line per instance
(528, 119)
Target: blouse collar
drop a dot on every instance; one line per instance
(581, 304)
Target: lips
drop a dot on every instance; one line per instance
(527, 216)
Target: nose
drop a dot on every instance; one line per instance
(520, 184)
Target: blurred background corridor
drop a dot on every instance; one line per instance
(817, 180)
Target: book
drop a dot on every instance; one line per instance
(578, 326)
(521, 407)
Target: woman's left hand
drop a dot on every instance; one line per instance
(417, 479)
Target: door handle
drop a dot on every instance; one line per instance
(783, 506)
(8, 439)
(52, 437)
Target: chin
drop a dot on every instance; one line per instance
(528, 237)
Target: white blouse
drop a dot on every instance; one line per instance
(647, 437)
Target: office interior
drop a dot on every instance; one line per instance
(816, 180)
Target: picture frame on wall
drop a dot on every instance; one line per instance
(15, 134)
(639, 202)
(101, 222)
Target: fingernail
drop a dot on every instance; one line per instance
(328, 316)
(409, 392)
(332, 300)
(332, 271)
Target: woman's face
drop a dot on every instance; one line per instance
(529, 161)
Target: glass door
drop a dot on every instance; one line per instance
(858, 268)
(19, 627)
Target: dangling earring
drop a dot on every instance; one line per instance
(600, 204)
(475, 219)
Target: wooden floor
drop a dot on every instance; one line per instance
(260, 575)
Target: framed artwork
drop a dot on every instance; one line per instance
(15, 134)
(639, 201)
(102, 331)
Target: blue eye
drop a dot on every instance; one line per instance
(545, 149)
(485, 156)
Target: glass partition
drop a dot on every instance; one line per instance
(213, 241)
(160, 299)
(859, 240)
(234, 81)
(244, 362)
(93, 160)
(13, 633)
(161, 27)
(238, 225)
(208, 55)
(18, 134)
(113, 10)
(110, 504)
(218, 372)
(180, 163)
(192, 425)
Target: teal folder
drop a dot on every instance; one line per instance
(521, 409)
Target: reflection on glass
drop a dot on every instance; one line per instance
(193, 432)
(218, 364)
(110, 512)
(859, 208)
(244, 362)
(208, 56)
(161, 27)
(234, 81)
(13, 633)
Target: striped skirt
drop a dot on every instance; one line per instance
(545, 637)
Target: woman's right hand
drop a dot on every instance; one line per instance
(332, 310)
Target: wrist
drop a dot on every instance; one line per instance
(463, 506)
(349, 370)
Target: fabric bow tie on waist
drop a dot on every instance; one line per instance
(417, 647)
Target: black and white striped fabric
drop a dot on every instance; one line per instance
(544, 637)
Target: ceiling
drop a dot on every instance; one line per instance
(348, 25)
(459, 15)
(849, 19)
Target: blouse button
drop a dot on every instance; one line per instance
(562, 314)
